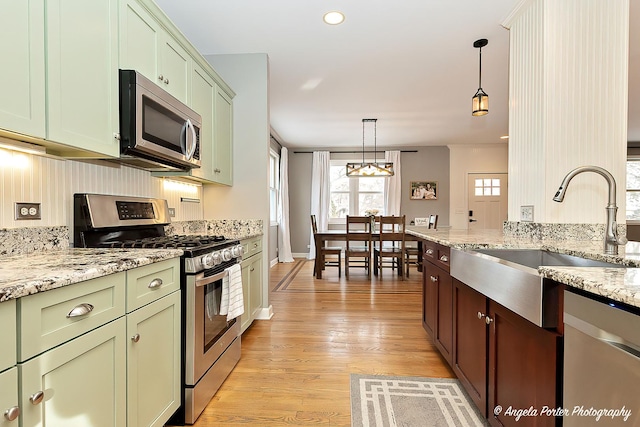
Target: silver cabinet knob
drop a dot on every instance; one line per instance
(488, 320)
(161, 77)
(135, 338)
(12, 413)
(429, 252)
(155, 284)
(216, 170)
(166, 81)
(80, 310)
(36, 397)
(433, 279)
(116, 136)
(444, 258)
(481, 315)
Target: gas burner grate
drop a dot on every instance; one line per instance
(166, 242)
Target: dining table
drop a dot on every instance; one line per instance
(321, 237)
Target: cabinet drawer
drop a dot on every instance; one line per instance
(46, 318)
(151, 282)
(9, 340)
(437, 254)
(252, 246)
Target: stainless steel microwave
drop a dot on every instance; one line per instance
(157, 131)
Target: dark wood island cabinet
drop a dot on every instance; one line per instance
(437, 318)
(500, 358)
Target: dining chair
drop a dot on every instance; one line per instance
(323, 251)
(391, 244)
(358, 243)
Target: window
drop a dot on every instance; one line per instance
(633, 190)
(487, 187)
(274, 185)
(353, 196)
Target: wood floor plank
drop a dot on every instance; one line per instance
(294, 369)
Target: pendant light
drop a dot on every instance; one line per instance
(480, 99)
(370, 169)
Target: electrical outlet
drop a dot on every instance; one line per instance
(526, 213)
(28, 211)
(172, 212)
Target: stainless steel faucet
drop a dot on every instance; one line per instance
(611, 239)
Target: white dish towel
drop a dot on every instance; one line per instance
(232, 301)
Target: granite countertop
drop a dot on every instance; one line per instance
(618, 284)
(22, 275)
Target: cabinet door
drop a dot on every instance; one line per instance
(22, 104)
(523, 367)
(83, 381)
(255, 281)
(175, 67)
(223, 138)
(430, 298)
(9, 398)
(82, 74)
(153, 362)
(202, 101)
(140, 40)
(470, 342)
(444, 324)
(246, 318)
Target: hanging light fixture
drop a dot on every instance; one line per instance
(480, 99)
(370, 169)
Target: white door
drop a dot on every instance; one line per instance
(487, 200)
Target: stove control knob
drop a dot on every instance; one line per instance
(237, 251)
(226, 254)
(217, 258)
(208, 261)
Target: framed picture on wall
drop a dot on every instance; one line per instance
(424, 190)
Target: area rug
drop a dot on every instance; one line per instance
(382, 401)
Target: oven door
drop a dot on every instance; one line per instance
(208, 333)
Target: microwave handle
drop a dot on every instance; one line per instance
(194, 141)
(188, 149)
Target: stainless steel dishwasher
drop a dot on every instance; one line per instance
(601, 363)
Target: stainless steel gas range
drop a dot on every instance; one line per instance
(210, 342)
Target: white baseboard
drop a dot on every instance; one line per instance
(273, 262)
(265, 313)
(301, 255)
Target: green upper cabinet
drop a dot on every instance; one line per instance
(82, 74)
(223, 138)
(145, 46)
(202, 98)
(22, 107)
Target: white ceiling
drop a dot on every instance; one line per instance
(409, 64)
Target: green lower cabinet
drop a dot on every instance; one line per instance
(153, 362)
(79, 383)
(251, 287)
(9, 398)
(245, 319)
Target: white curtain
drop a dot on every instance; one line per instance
(284, 238)
(320, 169)
(392, 187)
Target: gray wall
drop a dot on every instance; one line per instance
(427, 164)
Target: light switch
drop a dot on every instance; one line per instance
(526, 213)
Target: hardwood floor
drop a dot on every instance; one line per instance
(295, 367)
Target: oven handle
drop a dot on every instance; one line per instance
(202, 281)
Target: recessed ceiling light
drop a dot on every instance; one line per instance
(333, 18)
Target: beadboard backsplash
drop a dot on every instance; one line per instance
(52, 183)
